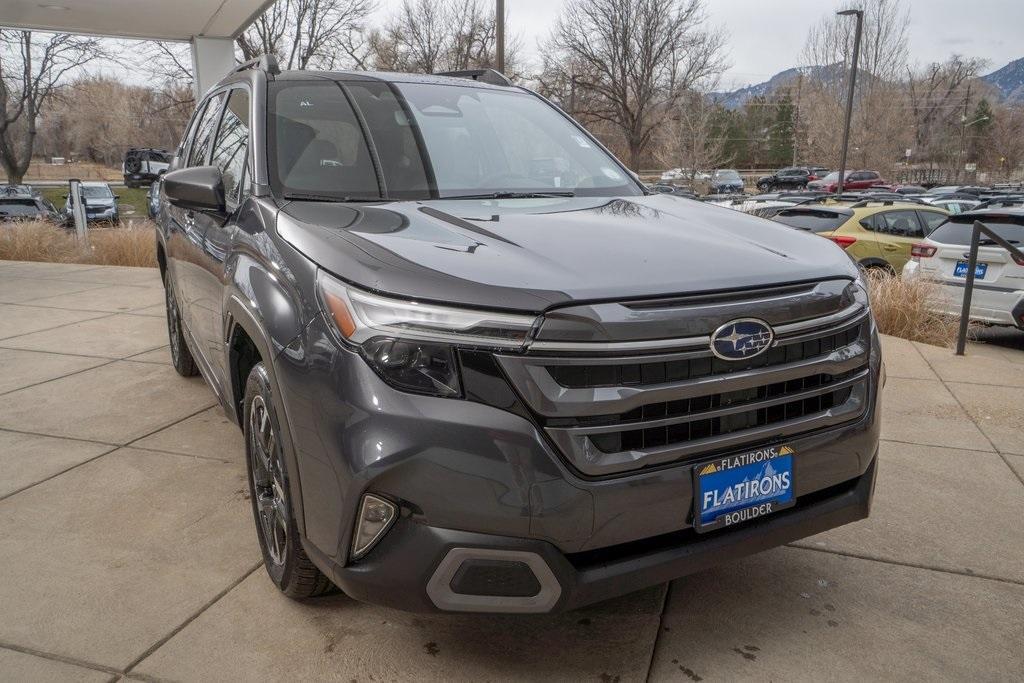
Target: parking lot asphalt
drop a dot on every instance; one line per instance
(127, 548)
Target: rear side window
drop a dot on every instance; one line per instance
(815, 221)
(229, 152)
(899, 224)
(958, 229)
(200, 151)
(317, 145)
(933, 219)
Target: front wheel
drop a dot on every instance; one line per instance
(181, 357)
(286, 562)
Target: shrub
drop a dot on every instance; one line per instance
(42, 241)
(900, 309)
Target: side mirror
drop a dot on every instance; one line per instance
(200, 188)
(117, 196)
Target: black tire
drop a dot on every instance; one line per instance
(286, 562)
(181, 357)
(765, 187)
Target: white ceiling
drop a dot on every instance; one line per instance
(156, 19)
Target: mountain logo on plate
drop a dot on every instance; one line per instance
(740, 339)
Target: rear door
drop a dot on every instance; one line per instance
(899, 230)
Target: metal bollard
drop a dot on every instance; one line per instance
(78, 210)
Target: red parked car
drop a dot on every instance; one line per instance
(855, 180)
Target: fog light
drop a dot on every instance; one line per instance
(376, 516)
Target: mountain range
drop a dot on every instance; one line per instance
(1008, 81)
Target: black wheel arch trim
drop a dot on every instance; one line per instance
(240, 316)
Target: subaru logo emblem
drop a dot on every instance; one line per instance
(740, 339)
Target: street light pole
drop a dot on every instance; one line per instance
(500, 31)
(859, 13)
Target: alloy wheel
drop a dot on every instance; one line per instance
(268, 481)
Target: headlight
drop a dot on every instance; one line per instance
(411, 344)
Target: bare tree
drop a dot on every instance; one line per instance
(878, 128)
(938, 95)
(302, 34)
(33, 69)
(427, 36)
(639, 57)
(692, 139)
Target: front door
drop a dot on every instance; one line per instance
(229, 153)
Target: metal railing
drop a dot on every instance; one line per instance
(972, 265)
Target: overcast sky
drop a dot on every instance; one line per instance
(766, 36)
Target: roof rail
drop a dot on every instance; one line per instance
(483, 75)
(267, 63)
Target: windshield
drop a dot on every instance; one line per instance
(368, 139)
(727, 175)
(18, 208)
(97, 192)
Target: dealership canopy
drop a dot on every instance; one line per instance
(209, 25)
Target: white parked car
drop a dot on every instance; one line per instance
(942, 257)
(954, 206)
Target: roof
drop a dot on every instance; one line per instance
(155, 19)
(388, 77)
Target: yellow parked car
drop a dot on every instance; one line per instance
(876, 234)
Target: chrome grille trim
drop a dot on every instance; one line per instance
(545, 396)
(608, 429)
(703, 341)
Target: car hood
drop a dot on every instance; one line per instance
(530, 255)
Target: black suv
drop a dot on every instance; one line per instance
(791, 178)
(143, 166)
(479, 367)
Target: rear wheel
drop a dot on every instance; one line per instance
(286, 562)
(181, 357)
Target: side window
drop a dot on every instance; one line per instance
(902, 224)
(200, 150)
(858, 176)
(232, 143)
(871, 222)
(190, 132)
(933, 219)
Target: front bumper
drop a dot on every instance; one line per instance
(399, 572)
(470, 475)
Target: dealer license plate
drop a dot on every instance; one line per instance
(738, 488)
(980, 269)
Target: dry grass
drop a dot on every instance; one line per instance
(39, 241)
(900, 309)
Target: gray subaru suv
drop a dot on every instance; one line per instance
(479, 367)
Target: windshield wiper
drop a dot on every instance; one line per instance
(312, 197)
(513, 195)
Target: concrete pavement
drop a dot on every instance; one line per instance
(127, 548)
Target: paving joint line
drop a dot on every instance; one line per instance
(970, 417)
(931, 445)
(912, 565)
(113, 447)
(57, 474)
(54, 379)
(661, 626)
(64, 659)
(55, 327)
(195, 615)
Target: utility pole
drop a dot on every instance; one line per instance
(963, 134)
(849, 97)
(796, 115)
(499, 17)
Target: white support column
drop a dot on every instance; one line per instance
(212, 59)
